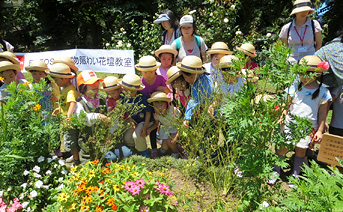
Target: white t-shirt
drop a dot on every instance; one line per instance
(195, 51)
(8, 46)
(337, 110)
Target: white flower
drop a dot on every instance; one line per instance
(238, 32)
(33, 194)
(269, 34)
(211, 14)
(233, 6)
(55, 166)
(25, 204)
(54, 157)
(124, 32)
(211, 1)
(37, 175)
(26, 172)
(23, 185)
(112, 38)
(122, 29)
(49, 160)
(28, 209)
(128, 45)
(1, 193)
(61, 162)
(60, 187)
(264, 205)
(21, 196)
(38, 184)
(60, 179)
(64, 172)
(226, 20)
(40, 159)
(107, 44)
(9, 189)
(46, 187)
(48, 172)
(36, 169)
(191, 12)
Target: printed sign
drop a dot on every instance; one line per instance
(97, 60)
(331, 148)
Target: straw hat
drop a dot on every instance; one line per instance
(226, 61)
(7, 65)
(60, 70)
(87, 78)
(173, 73)
(251, 77)
(314, 63)
(68, 61)
(132, 82)
(191, 64)
(147, 63)
(248, 49)
(37, 65)
(166, 49)
(110, 83)
(219, 48)
(159, 96)
(10, 56)
(301, 6)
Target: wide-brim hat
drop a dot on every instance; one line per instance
(147, 63)
(10, 56)
(301, 6)
(249, 74)
(226, 61)
(248, 49)
(314, 63)
(37, 65)
(60, 70)
(7, 65)
(110, 83)
(166, 49)
(191, 64)
(68, 61)
(219, 48)
(162, 17)
(132, 82)
(159, 96)
(173, 73)
(87, 77)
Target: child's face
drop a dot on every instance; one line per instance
(187, 31)
(166, 25)
(166, 59)
(9, 76)
(160, 107)
(190, 78)
(149, 75)
(216, 58)
(179, 83)
(306, 79)
(60, 81)
(114, 93)
(92, 90)
(38, 75)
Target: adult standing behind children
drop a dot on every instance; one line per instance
(189, 43)
(302, 34)
(169, 23)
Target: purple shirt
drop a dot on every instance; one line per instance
(163, 72)
(149, 89)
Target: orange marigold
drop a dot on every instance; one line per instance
(110, 202)
(107, 164)
(114, 207)
(95, 162)
(99, 209)
(89, 190)
(84, 208)
(106, 171)
(37, 107)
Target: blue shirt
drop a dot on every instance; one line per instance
(133, 103)
(201, 90)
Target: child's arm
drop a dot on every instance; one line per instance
(321, 122)
(71, 108)
(154, 126)
(146, 124)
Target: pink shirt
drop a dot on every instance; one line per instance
(184, 96)
(163, 72)
(111, 103)
(149, 89)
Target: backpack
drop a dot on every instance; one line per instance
(177, 34)
(197, 39)
(314, 34)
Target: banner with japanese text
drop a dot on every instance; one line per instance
(98, 60)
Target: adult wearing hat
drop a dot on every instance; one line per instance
(189, 43)
(71, 64)
(201, 84)
(302, 34)
(10, 56)
(170, 25)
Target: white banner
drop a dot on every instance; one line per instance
(98, 60)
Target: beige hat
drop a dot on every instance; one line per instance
(249, 74)
(248, 49)
(10, 56)
(191, 64)
(147, 63)
(219, 48)
(7, 65)
(301, 6)
(186, 20)
(132, 82)
(37, 65)
(314, 63)
(60, 70)
(173, 73)
(68, 61)
(159, 96)
(226, 61)
(166, 49)
(110, 83)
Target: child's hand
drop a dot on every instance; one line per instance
(148, 131)
(186, 123)
(55, 112)
(317, 138)
(143, 132)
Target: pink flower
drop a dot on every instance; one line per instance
(129, 185)
(143, 209)
(11, 209)
(324, 65)
(140, 183)
(147, 196)
(135, 190)
(169, 193)
(164, 189)
(175, 203)
(17, 205)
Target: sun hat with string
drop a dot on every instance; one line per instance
(301, 6)
(60, 70)
(191, 64)
(147, 63)
(37, 65)
(132, 82)
(248, 49)
(9, 56)
(7, 65)
(159, 96)
(110, 83)
(219, 48)
(68, 61)
(172, 74)
(165, 49)
(314, 63)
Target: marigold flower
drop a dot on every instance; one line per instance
(114, 207)
(99, 209)
(95, 162)
(21, 91)
(106, 171)
(110, 202)
(37, 107)
(26, 83)
(89, 190)
(84, 208)
(1, 78)
(107, 164)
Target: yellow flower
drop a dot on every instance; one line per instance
(95, 162)
(110, 202)
(116, 187)
(73, 170)
(149, 173)
(60, 209)
(62, 197)
(37, 107)
(84, 208)
(162, 174)
(1, 78)
(128, 168)
(135, 174)
(26, 83)
(91, 173)
(72, 207)
(21, 91)
(143, 164)
(133, 166)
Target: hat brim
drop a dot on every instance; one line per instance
(72, 75)
(12, 59)
(186, 24)
(171, 51)
(141, 87)
(156, 99)
(111, 87)
(36, 68)
(192, 71)
(140, 68)
(15, 67)
(159, 20)
(92, 81)
(73, 67)
(302, 9)
(173, 77)
(217, 51)
(246, 52)
(319, 70)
